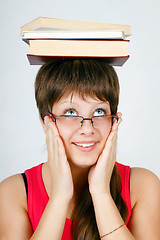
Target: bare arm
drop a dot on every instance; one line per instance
(145, 194)
(108, 219)
(106, 212)
(53, 220)
(14, 220)
(145, 220)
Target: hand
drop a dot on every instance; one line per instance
(100, 174)
(61, 178)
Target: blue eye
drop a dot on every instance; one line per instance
(70, 112)
(99, 112)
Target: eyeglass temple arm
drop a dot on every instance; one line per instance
(51, 115)
(115, 116)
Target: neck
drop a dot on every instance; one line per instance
(80, 178)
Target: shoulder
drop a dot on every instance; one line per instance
(13, 189)
(143, 184)
(145, 200)
(141, 174)
(13, 206)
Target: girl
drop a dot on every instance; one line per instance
(81, 192)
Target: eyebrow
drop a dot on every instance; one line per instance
(100, 102)
(68, 102)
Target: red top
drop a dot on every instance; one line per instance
(38, 198)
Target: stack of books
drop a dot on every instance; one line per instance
(52, 38)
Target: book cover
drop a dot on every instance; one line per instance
(48, 24)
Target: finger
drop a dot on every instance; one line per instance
(55, 144)
(110, 147)
(48, 121)
(108, 156)
(57, 140)
(112, 138)
(115, 125)
(52, 145)
(117, 122)
(110, 143)
(61, 149)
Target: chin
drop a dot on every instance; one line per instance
(83, 162)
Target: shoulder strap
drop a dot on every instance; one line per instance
(25, 183)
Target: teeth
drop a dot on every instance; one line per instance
(84, 144)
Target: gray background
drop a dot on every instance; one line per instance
(22, 141)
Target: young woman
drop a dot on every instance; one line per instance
(81, 192)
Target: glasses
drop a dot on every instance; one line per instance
(77, 121)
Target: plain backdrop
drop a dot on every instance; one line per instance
(22, 141)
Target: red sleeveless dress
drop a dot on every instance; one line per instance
(38, 198)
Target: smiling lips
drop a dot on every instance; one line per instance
(85, 146)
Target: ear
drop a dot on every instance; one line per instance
(42, 123)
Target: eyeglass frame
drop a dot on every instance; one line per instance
(83, 119)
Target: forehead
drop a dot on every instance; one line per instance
(77, 98)
(83, 106)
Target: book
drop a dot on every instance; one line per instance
(74, 34)
(40, 60)
(52, 38)
(77, 48)
(50, 24)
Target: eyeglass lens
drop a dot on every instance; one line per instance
(77, 121)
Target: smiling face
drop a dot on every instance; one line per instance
(83, 144)
(54, 87)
